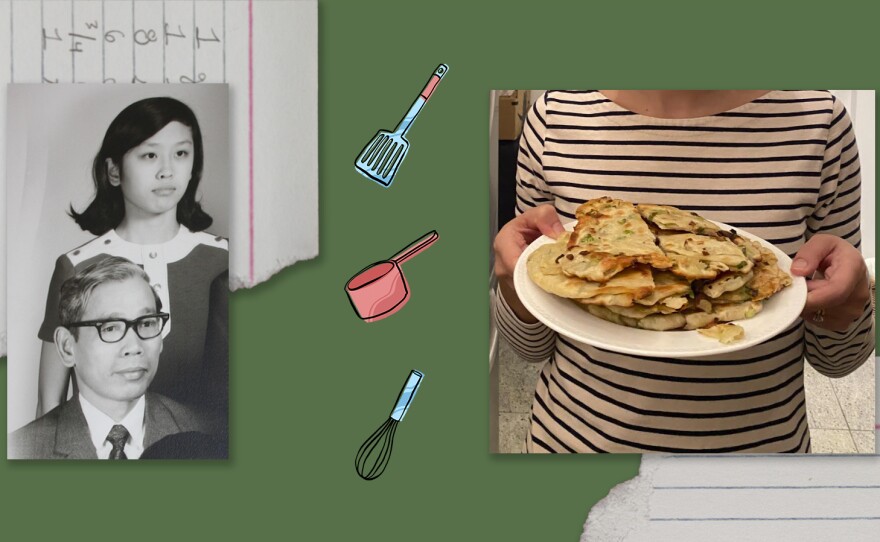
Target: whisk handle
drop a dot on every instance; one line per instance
(406, 394)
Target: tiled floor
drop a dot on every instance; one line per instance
(840, 411)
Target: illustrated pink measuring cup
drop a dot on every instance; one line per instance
(379, 290)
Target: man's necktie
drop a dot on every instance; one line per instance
(118, 436)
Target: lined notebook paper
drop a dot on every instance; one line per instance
(742, 497)
(265, 50)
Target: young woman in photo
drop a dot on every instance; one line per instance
(146, 174)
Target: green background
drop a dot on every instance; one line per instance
(310, 381)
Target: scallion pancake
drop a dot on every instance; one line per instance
(544, 269)
(610, 235)
(672, 218)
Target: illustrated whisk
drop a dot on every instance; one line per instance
(374, 454)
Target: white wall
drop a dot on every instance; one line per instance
(860, 104)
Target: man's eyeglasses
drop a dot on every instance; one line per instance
(112, 331)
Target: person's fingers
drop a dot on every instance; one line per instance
(518, 244)
(829, 320)
(816, 284)
(811, 255)
(824, 294)
(544, 220)
(511, 241)
(517, 234)
(841, 277)
(509, 244)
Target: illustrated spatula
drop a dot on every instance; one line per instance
(382, 156)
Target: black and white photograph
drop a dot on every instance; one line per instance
(117, 285)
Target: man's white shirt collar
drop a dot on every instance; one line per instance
(100, 425)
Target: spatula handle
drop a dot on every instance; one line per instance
(417, 105)
(432, 82)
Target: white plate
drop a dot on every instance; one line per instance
(566, 317)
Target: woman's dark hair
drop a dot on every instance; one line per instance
(134, 125)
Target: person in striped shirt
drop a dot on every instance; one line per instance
(782, 165)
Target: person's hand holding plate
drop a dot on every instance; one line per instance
(837, 298)
(510, 243)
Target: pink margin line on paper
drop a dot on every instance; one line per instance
(251, 138)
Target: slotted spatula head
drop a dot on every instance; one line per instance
(382, 156)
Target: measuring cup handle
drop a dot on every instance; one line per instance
(416, 246)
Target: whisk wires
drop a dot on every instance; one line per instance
(369, 463)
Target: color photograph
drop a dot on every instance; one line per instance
(683, 271)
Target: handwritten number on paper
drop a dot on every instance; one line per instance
(81, 36)
(78, 44)
(200, 39)
(48, 37)
(200, 78)
(141, 37)
(144, 37)
(110, 35)
(168, 34)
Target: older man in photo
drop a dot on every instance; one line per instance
(111, 336)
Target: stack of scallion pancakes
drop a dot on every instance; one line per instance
(659, 268)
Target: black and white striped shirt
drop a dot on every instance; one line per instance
(783, 167)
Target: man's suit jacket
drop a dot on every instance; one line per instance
(63, 433)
